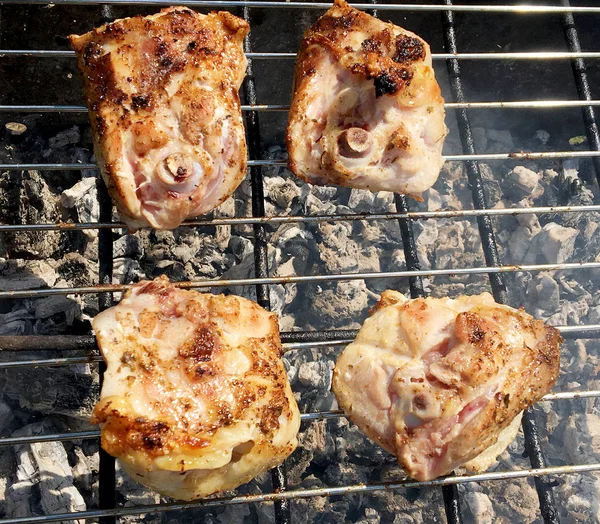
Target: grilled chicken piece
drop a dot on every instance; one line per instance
(162, 93)
(438, 381)
(367, 111)
(195, 397)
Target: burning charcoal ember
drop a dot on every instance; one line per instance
(295, 241)
(371, 516)
(519, 243)
(18, 275)
(337, 249)
(237, 513)
(553, 244)
(338, 305)
(26, 198)
(283, 295)
(128, 246)
(134, 492)
(521, 183)
(83, 198)
(127, 271)
(524, 506)
(433, 200)
(43, 482)
(491, 186)
(49, 306)
(316, 375)
(60, 390)
(543, 295)
(77, 270)
(499, 140)
(582, 437)
(369, 260)
(426, 235)
(6, 417)
(283, 194)
(67, 137)
(363, 201)
(85, 471)
(223, 233)
(16, 322)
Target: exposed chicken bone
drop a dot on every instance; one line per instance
(354, 142)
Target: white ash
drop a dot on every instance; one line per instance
(522, 183)
(480, 506)
(43, 482)
(83, 198)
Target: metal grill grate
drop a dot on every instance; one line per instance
(281, 496)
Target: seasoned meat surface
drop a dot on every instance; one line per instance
(195, 397)
(162, 93)
(366, 111)
(438, 381)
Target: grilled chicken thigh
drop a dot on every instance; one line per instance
(162, 93)
(195, 397)
(366, 111)
(438, 381)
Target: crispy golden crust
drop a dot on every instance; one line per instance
(193, 379)
(390, 60)
(138, 73)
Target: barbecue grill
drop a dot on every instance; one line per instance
(573, 98)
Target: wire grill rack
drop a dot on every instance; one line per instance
(280, 495)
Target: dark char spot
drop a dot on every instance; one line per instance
(384, 85)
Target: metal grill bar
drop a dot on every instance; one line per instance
(308, 493)
(261, 268)
(276, 220)
(583, 86)
(522, 55)
(291, 339)
(259, 221)
(486, 232)
(106, 466)
(319, 339)
(533, 155)
(517, 104)
(54, 437)
(317, 415)
(336, 277)
(449, 493)
(486, 8)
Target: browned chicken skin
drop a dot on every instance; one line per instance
(162, 93)
(437, 381)
(366, 111)
(195, 397)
